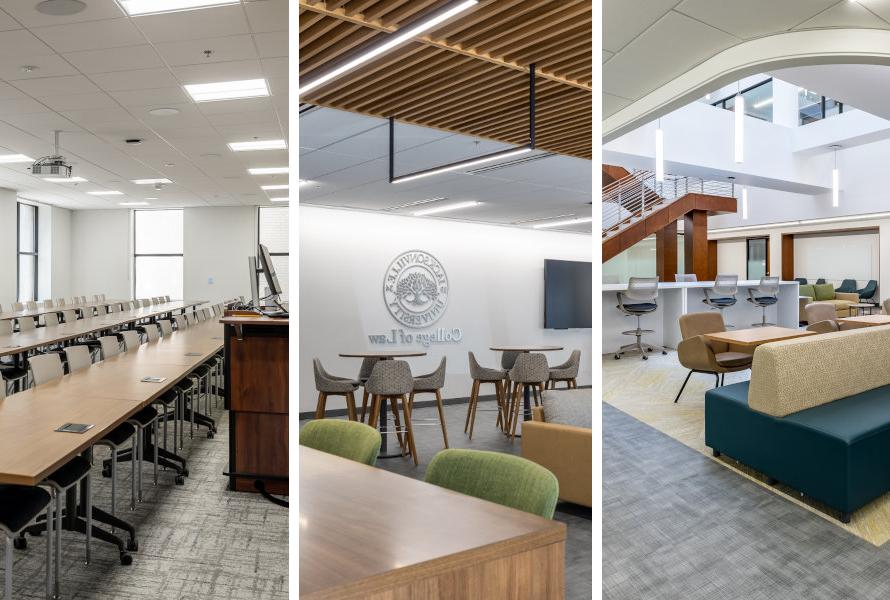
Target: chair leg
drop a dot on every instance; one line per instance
(319, 407)
(113, 483)
(516, 403)
(155, 433)
(442, 417)
(499, 398)
(474, 394)
(89, 512)
(8, 561)
(683, 387)
(410, 430)
(134, 456)
(52, 592)
(375, 411)
(364, 404)
(350, 406)
(717, 375)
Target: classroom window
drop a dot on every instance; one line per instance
(814, 107)
(273, 233)
(157, 257)
(27, 252)
(758, 101)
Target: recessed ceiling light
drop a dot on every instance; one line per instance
(446, 208)
(15, 158)
(106, 193)
(151, 198)
(268, 170)
(132, 203)
(60, 8)
(163, 112)
(151, 181)
(279, 199)
(146, 7)
(64, 179)
(283, 186)
(227, 90)
(563, 223)
(257, 145)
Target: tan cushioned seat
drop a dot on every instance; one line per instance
(794, 375)
(732, 359)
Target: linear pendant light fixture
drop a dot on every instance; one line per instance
(469, 162)
(392, 40)
(835, 180)
(448, 207)
(739, 137)
(659, 153)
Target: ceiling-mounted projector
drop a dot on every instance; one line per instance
(52, 166)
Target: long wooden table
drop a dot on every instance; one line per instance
(369, 533)
(19, 342)
(868, 320)
(755, 336)
(104, 395)
(42, 310)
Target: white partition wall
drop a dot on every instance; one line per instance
(495, 282)
(216, 244)
(8, 245)
(839, 256)
(101, 252)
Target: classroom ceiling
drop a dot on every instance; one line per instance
(468, 76)
(648, 43)
(344, 160)
(97, 74)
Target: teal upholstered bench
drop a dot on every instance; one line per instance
(837, 453)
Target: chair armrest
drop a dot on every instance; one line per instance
(697, 353)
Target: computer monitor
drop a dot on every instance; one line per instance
(269, 271)
(254, 285)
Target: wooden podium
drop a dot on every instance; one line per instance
(256, 393)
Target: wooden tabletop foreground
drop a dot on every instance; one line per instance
(756, 336)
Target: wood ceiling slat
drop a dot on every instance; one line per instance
(321, 54)
(308, 19)
(530, 36)
(499, 19)
(471, 110)
(577, 40)
(357, 7)
(330, 39)
(544, 20)
(317, 30)
(408, 12)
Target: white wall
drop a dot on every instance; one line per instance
(836, 257)
(101, 253)
(8, 241)
(496, 281)
(216, 244)
(60, 284)
(732, 258)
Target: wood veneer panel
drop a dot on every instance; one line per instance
(666, 252)
(259, 372)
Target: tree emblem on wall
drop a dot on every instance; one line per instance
(415, 289)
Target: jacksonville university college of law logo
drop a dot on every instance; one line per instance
(415, 289)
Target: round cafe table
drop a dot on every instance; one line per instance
(526, 396)
(384, 355)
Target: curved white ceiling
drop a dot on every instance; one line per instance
(661, 54)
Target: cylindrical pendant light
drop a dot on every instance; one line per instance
(835, 181)
(739, 150)
(659, 153)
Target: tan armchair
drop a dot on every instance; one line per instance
(565, 451)
(816, 312)
(700, 355)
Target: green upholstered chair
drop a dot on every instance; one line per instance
(501, 478)
(348, 439)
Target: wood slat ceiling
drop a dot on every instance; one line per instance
(469, 76)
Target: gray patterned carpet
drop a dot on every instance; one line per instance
(677, 525)
(428, 439)
(196, 541)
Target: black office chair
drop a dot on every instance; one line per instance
(848, 286)
(868, 292)
(801, 280)
(20, 505)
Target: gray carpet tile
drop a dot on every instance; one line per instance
(428, 439)
(196, 541)
(678, 525)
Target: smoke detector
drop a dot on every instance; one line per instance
(60, 8)
(54, 165)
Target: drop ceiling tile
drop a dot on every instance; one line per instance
(267, 15)
(272, 45)
(215, 72)
(20, 106)
(641, 67)
(276, 67)
(91, 35)
(56, 86)
(8, 91)
(194, 24)
(879, 7)
(7, 22)
(128, 58)
(157, 97)
(88, 118)
(612, 104)
(25, 12)
(607, 55)
(235, 106)
(192, 52)
(753, 18)
(79, 101)
(22, 43)
(844, 14)
(15, 67)
(145, 79)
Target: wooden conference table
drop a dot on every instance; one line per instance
(104, 395)
(369, 533)
(42, 310)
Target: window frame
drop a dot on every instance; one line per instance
(259, 240)
(722, 102)
(151, 254)
(19, 253)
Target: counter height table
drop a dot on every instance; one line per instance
(369, 533)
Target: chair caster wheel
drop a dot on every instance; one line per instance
(210, 435)
(126, 559)
(664, 352)
(133, 545)
(20, 543)
(617, 357)
(180, 480)
(645, 357)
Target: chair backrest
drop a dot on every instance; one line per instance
(110, 346)
(681, 277)
(498, 477)
(78, 358)
(508, 358)
(132, 339)
(820, 280)
(769, 286)
(152, 333)
(820, 311)
(47, 304)
(530, 367)
(181, 321)
(823, 326)
(45, 367)
(60, 302)
(347, 439)
(26, 323)
(31, 305)
(436, 379)
(101, 310)
(167, 298)
(145, 302)
(700, 323)
(50, 319)
(475, 367)
(17, 307)
(801, 280)
(573, 364)
(642, 288)
(69, 316)
(6, 327)
(364, 371)
(166, 327)
(390, 378)
(111, 308)
(200, 316)
(207, 314)
(726, 285)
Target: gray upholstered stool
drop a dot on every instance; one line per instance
(432, 383)
(391, 380)
(567, 372)
(331, 385)
(482, 375)
(764, 295)
(529, 371)
(364, 371)
(642, 294)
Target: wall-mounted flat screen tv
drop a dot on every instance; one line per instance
(567, 300)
